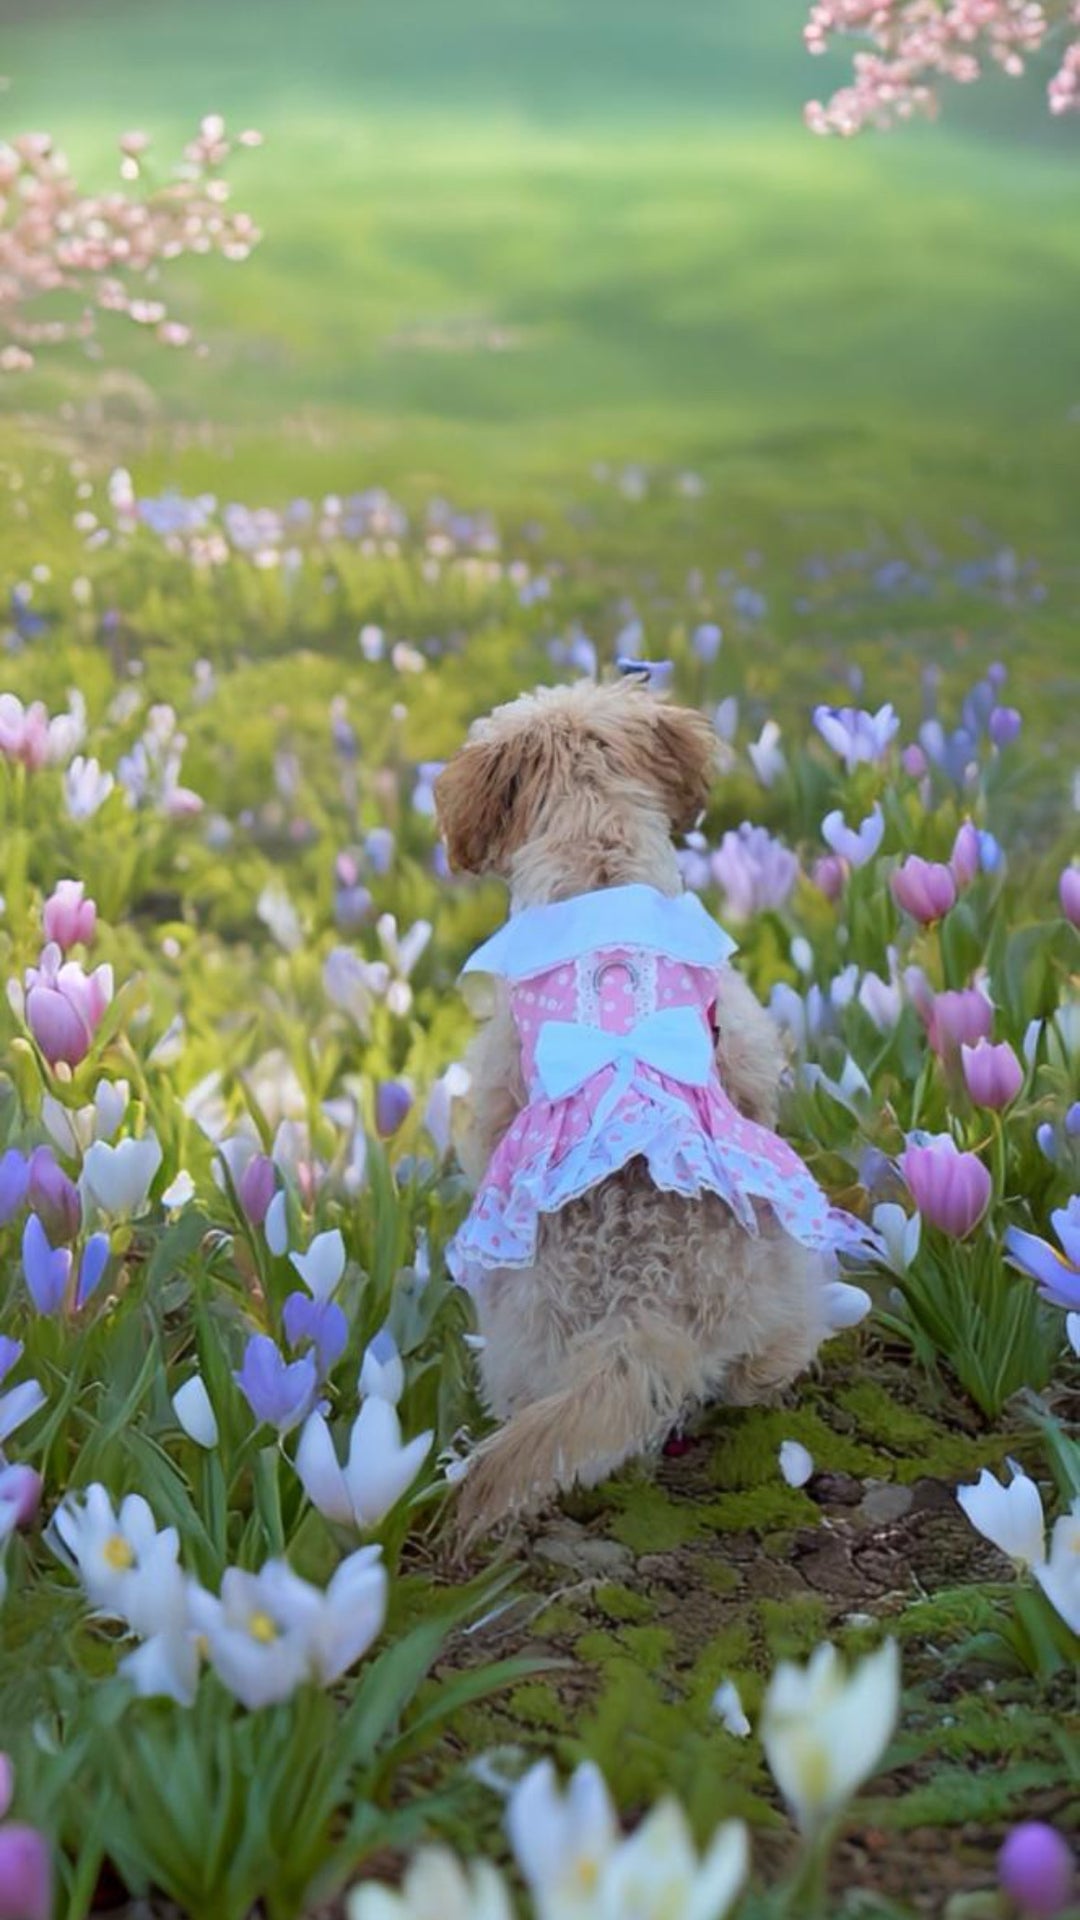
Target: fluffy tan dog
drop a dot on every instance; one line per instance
(640, 1304)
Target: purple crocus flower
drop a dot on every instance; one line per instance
(14, 1178)
(320, 1322)
(1072, 1120)
(990, 853)
(20, 1494)
(256, 1187)
(951, 1189)
(11, 1352)
(52, 1195)
(857, 736)
(923, 888)
(47, 1269)
(1046, 1141)
(1069, 894)
(281, 1393)
(706, 641)
(1037, 1870)
(1005, 725)
(960, 1017)
(914, 762)
(755, 871)
(379, 849)
(993, 1075)
(393, 1104)
(1057, 1274)
(95, 1259)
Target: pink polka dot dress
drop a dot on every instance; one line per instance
(613, 996)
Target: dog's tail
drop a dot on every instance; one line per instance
(627, 1387)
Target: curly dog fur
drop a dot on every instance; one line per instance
(640, 1304)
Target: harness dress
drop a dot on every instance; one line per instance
(613, 997)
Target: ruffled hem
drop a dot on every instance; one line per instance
(503, 1227)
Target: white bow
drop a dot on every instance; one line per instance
(673, 1041)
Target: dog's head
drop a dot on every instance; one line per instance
(580, 763)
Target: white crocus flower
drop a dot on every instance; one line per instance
(276, 1224)
(191, 1405)
(900, 1233)
(766, 755)
(127, 1567)
(845, 1305)
(824, 1730)
(179, 1192)
(259, 1633)
(562, 1841)
(322, 1266)
(86, 788)
(18, 1405)
(382, 1373)
(1010, 1517)
(110, 1105)
(351, 1617)
(118, 1178)
(1059, 1576)
(71, 1129)
(727, 1705)
(656, 1873)
(436, 1883)
(378, 1471)
(1072, 1331)
(165, 1667)
(796, 1463)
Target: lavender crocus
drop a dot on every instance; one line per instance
(856, 845)
(280, 1392)
(318, 1323)
(706, 641)
(14, 1179)
(95, 1259)
(965, 858)
(20, 1495)
(857, 736)
(950, 1189)
(1069, 894)
(47, 1270)
(1057, 1274)
(256, 1187)
(923, 888)
(1037, 1870)
(25, 1873)
(993, 1075)
(1004, 726)
(68, 917)
(755, 871)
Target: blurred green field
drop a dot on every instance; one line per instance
(623, 199)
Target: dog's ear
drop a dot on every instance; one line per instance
(482, 798)
(682, 762)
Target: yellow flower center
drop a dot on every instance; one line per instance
(586, 1873)
(117, 1553)
(814, 1774)
(262, 1628)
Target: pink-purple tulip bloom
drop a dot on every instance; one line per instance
(256, 1187)
(1069, 894)
(1057, 1274)
(966, 856)
(25, 1873)
(1037, 1870)
(993, 1075)
(20, 1493)
(64, 1005)
(955, 1019)
(924, 888)
(67, 916)
(950, 1189)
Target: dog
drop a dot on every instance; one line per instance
(639, 1304)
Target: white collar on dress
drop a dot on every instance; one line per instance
(634, 916)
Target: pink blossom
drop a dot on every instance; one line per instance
(67, 916)
(828, 875)
(1069, 894)
(923, 888)
(950, 1189)
(24, 731)
(64, 1005)
(959, 1018)
(994, 1075)
(20, 1493)
(25, 1873)
(964, 859)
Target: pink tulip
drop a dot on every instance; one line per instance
(950, 1189)
(64, 1005)
(964, 859)
(957, 1019)
(994, 1075)
(923, 888)
(67, 916)
(1069, 892)
(25, 1874)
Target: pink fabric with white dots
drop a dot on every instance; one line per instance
(693, 1139)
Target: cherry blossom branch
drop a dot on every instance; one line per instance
(106, 250)
(916, 44)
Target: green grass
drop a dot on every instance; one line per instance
(682, 275)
